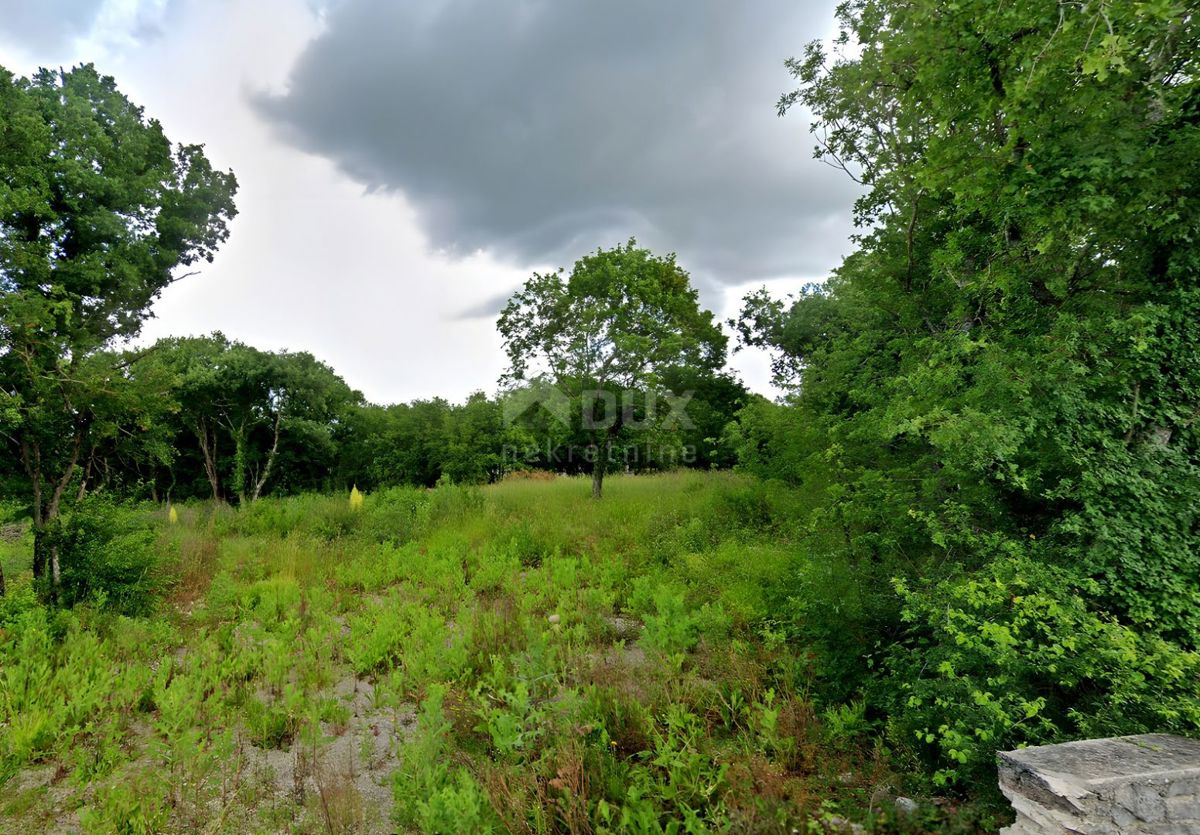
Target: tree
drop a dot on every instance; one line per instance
(474, 453)
(1019, 327)
(1006, 371)
(304, 398)
(622, 318)
(713, 402)
(194, 364)
(264, 407)
(132, 430)
(97, 212)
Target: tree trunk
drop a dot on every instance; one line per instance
(40, 544)
(258, 483)
(208, 446)
(87, 474)
(40, 551)
(45, 553)
(239, 463)
(46, 566)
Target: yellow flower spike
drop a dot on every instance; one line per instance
(356, 498)
(172, 515)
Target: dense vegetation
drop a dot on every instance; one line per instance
(970, 525)
(997, 392)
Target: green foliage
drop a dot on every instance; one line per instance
(273, 415)
(620, 666)
(138, 809)
(618, 324)
(108, 556)
(672, 627)
(1013, 655)
(431, 794)
(97, 210)
(63, 679)
(992, 400)
(507, 714)
(975, 527)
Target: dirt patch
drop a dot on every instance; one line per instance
(42, 799)
(345, 780)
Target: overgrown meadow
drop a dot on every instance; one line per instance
(514, 658)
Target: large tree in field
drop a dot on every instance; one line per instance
(98, 211)
(272, 396)
(621, 319)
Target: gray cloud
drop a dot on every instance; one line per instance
(47, 26)
(541, 129)
(489, 308)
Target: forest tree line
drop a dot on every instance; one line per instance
(212, 418)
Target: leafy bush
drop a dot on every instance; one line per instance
(431, 795)
(451, 502)
(122, 809)
(323, 517)
(20, 599)
(106, 553)
(392, 514)
(1012, 655)
(63, 678)
(673, 626)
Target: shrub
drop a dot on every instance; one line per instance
(431, 794)
(137, 808)
(673, 626)
(451, 503)
(1012, 655)
(106, 553)
(392, 513)
(21, 598)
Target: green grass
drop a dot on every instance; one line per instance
(513, 658)
(16, 549)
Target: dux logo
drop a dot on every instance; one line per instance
(600, 409)
(556, 404)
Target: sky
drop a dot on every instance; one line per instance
(404, 166)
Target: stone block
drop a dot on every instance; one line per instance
(1143, 784)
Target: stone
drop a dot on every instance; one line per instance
(906, 805)
(1134, 784)
(1183, 808)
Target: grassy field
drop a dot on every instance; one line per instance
(516, 658)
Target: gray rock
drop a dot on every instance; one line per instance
(1135, 784)
(906, 805)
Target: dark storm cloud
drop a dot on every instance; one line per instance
(46, 26)
(541, 129)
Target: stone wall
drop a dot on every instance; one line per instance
(1131, 784)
